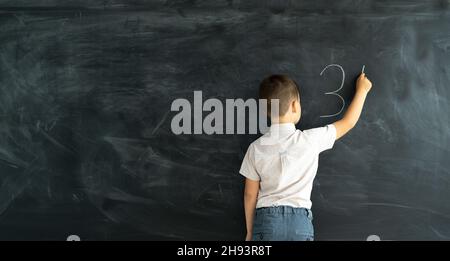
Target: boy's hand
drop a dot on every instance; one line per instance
(248, 237)
(363, 83)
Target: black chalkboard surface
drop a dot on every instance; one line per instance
(86, 87)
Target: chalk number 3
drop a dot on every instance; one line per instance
(335, 92)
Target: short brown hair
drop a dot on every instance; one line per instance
(279, 87)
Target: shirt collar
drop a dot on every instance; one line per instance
(283, 128)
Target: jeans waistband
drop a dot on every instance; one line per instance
(284, 210)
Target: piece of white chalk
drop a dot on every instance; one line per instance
(362, 71)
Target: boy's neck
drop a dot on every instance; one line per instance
(282, 120)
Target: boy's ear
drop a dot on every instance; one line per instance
(294, 107)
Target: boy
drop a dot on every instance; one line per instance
(281, 165)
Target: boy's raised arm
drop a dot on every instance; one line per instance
(351, 116)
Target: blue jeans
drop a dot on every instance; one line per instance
(283, 223)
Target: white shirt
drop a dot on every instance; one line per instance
(285, 161)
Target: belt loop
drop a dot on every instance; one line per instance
(309, 213)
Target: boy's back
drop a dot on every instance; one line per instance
(285, 162)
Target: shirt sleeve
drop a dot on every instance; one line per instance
(248, 169)
(322, 138)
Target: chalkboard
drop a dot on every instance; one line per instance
(86, 88)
